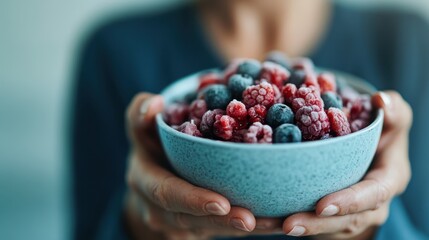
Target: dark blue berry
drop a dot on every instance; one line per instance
(279, 58)
(331, 99)
(251, 68)
(237, 84)
(279, 114)
(297, 77)
(287, 133)
(217, 96)
(190, 97)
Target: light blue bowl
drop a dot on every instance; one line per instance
(271, 180)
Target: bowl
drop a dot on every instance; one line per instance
(271, 180)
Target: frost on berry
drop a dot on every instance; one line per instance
(189, 128)
(257, 113)
(274, 74)
(262, 93)
(207, 121)
(197, 108)
(224, 127)
(208, 79)
(339, 123)
(327, 82)
(237, 110)
(258, 133)
(176, 113)
(288, 92)
(312, 121)
(231, 69)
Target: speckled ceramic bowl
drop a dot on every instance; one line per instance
(270, 180)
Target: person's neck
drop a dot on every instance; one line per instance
(251, 28)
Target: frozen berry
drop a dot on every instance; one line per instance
(297, 77)
(339, 124)
(279, 114)
(231, 69)
(262, 93)
(258, 133)
(307, 96)
(357, 125)
(257, 113)
(304, 64)
(289, 92)
(224, 127)
(287, 133)
(208, 79)
(190, 97)
(197, 108)
(250, 67)
(331, 99)
(237, 84)
(312, 121)
(189, 128)
(237, 110)
(278, 96)
(311, 80)
(274, 74)
(208, 119)
(327, 82)
(217, 96)
(326, 136)
(176, 113)
(279, 58)
(238, 135)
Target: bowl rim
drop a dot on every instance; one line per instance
(377, 121)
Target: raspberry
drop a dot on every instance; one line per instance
(238, 135)
(311, 80)
(339, 124)
(359, 112)
(297, 77)
(357, 125)
(224, 127)
(231, 69)
(278, 97)
(279, 58)
(258, 133)
(274, 74)
(307, 96)
(331, 99)
(197, 108)
(189, 128)
(287, 133)
(208, 119)
(303, 64)
(289, 92)
(176, 113)
(217, 96)
(237, 84)
(250, 67)
(326, 82)
(237, 110)
(279, 114)
(257, 113)
(208, 79)
(312, 121)
(262, 93)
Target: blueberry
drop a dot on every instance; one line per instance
(217, 96)
(287, 133)
(237, 84)
(251, 68)
(279, 114)
(279, 58)
(297, 77)
(190, 97)
(331, 99)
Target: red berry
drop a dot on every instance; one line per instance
(258, 133)
(274, 73)
(176, 113)
(189, 128)
(237, 110)
(289, 92)
(209, 79)
(257, 113)
(224, 127)
(208, 119)
(303, 63)
(310, 96)
(197, 108)
(238, 135)
(358, 124)
(231, 69)
(339, 123)
(278, 97)
(311, 80)
(327, 82)
(312, 121)
(262, 93)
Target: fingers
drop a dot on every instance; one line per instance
(304, 224)
(173, 193)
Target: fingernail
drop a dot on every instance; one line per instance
(215, 208)
(239, 224)
(386, 99)
(297, 231)
(145, 106)
(330, 210)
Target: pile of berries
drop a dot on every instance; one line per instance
(278, 101)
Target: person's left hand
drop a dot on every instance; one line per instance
(355, 212)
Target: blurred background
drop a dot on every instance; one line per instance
(38, 47)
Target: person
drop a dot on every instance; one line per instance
(127, 61)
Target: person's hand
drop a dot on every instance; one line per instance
(160, 202)
(355, 212)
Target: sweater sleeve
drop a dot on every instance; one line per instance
(98, 147)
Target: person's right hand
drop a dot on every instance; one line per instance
(159, 201)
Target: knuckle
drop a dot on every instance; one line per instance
(158, 194)
(356, 223)
(354, 204)
(180, 220)
(383, 194)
